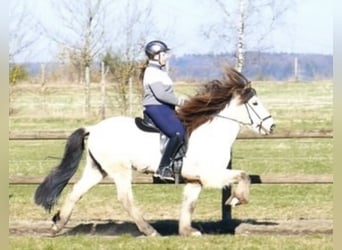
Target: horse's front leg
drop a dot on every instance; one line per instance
(190, 196)
(240, 193)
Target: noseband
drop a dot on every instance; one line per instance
(250, 109)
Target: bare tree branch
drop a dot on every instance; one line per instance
(82, 27)
(246, 24)
(21, 24)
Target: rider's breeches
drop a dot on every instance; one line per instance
(164, 117)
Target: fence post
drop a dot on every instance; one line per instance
(103, 91)
(87, 91)
(130, 95)
(226, 209)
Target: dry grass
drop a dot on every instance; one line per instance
(298, 106)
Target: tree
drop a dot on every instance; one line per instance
(17, 73)
(246, 24)
(20, 41)
(21, 24)
(90, 29)
(81, 35)
(122, 58)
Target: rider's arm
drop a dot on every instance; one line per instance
(164, 93)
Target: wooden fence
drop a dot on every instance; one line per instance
(139, 178)
(62, 135)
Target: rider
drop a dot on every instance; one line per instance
(159, 103)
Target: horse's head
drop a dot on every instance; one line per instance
(258, 117)
(232, 98)
(245, 106)
(247, 109)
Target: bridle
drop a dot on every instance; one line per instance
(250, 110)
(247, 105)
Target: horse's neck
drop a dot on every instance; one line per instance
(235, 111)
(222, 129)
(229, 129)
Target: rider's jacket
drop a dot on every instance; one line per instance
(158, 86)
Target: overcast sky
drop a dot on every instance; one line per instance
(307, 28)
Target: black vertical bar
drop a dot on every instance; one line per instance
(226, 192)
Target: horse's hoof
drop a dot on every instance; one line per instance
(196, 233)
(154, 234)
(55, 229)
(234, 202)
(190, 232)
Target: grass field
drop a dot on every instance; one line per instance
(294, 106)
(220, 242)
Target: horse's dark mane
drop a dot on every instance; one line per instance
(212, 97)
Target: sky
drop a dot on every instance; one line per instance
(306, 28)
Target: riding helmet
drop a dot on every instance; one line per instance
(154, 47)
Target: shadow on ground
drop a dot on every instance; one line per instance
(164, 227)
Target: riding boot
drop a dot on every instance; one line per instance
(165, 170)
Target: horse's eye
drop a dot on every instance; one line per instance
(255, 103)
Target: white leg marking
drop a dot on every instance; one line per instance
(190, 196)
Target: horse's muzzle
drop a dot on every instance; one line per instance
(272, 128)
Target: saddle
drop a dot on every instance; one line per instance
(147, 125)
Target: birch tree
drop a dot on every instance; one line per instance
(246, 24)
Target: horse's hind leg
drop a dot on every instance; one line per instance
(91, 176)
(125, 196)
(190, 196)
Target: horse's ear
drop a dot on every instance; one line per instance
(247, 92)
(248, 85)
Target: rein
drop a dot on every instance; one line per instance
(248, 108)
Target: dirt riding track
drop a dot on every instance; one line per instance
(169, 227)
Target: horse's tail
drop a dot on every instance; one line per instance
(49, 190)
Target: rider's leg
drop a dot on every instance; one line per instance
(165, 170)
(165, 119)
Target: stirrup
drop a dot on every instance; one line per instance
(165, 173)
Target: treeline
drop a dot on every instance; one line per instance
(258, 66)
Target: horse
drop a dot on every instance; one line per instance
(116, 147)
